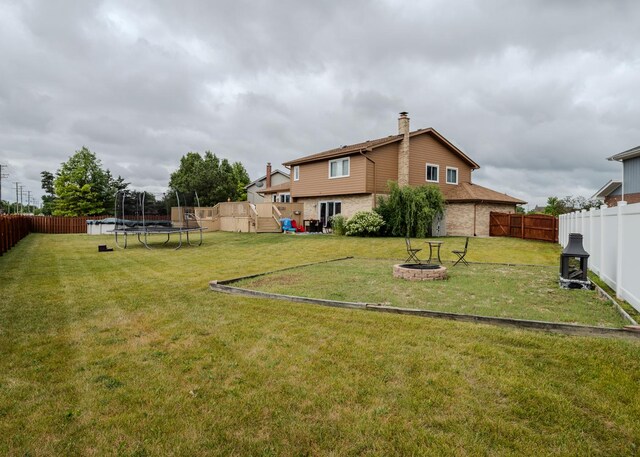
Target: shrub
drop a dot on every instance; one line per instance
(364, 223)
(410, 211)
(338, 224)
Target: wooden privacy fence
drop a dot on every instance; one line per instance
(63, 224)
(529, 227)
(12, 229)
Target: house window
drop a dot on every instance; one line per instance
(433, 172)
(274, 198)
(284, 198)
(452, 175)
(327, 210)
(296, 173)
(339, 168)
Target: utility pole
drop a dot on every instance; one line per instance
(2, 175)
(29, 202)
(21, 205)
(17, 185)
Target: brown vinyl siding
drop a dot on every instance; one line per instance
(386, 159)
(314, 176)
(427, 149)
(315, 182)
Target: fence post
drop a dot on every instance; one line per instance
(561, 224)
(602, 250)
(592, 241)
(620, 250)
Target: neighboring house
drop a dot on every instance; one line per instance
(610, 193)
(273, 178)
(629, 188)
(350, 178)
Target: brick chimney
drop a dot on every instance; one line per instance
(268, 183)
(403, 150)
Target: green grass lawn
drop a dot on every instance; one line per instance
(129, 353)
(522, 292)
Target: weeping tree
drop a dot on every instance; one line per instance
(410, 211)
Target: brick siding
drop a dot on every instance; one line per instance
(612, 200)
(459, 217)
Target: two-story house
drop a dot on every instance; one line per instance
(351, 178)
(627, 189)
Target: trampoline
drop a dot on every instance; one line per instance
(143, 229)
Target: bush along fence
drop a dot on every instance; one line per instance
(610, 236)
(14, 227)
(529, 227)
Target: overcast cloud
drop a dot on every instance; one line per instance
(538, 93)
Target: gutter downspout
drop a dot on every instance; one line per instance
(290, 181)
(475, 210)
(375, 199)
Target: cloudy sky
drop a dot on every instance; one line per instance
(538, 93)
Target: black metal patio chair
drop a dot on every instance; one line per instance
(412, 252)
(462, 254)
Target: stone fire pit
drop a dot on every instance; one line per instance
(420, 272)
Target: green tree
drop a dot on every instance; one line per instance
(555, 206)
(580, 202)
(242, 179)
(410, 211)
(81, 187)
(5, 207)
(213, 180)
(49, 199)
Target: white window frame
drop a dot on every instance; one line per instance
(282, 195)
(426, 172)
(339, 161)
(296, 173)
(447, 176)
(327, 203)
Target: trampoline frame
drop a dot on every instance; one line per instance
(143, 233)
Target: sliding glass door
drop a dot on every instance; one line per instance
(328, 209)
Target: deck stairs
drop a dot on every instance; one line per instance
(267, 225)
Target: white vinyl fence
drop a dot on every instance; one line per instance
(612, 238)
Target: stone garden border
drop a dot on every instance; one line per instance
(630, 331)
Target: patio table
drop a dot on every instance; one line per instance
(437, 245)
(312, 225)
